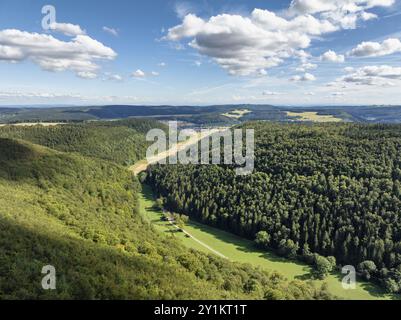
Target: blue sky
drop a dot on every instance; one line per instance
(300, 52)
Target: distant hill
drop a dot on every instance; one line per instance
(199, 115)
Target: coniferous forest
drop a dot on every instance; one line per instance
(328, 194)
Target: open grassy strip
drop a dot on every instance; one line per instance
(241, 250)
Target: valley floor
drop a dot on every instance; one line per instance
(211, 240)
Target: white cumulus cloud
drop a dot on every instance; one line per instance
(343, 6)
(78, 55)
(246, 45)
(366, 16)
(331, 56)
(373, 76)
(243, 45)
(342, 13)
(376, 49)
(87, 75)
(68, 29)
(306, 66)
(139, 74)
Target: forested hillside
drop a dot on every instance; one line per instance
(201, 115)
(332, 190)
(80, 215)
(121, 141)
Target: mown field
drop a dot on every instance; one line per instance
(312, 117)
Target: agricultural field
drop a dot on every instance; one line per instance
(312, 117)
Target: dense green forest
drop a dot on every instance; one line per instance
(121, 141)
(80, 214)
(328, 194)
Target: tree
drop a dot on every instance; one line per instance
(322, 267)
(391, 285)
(159, 204)
(367, 269)
(288, 248)
(262, 240)
(333, 261)
(181, 220)
(307, 255)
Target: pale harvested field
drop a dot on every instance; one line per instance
(313, 116)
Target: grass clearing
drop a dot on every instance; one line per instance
(243, 250)
(313, 117)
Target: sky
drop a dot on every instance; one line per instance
(203, 52)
